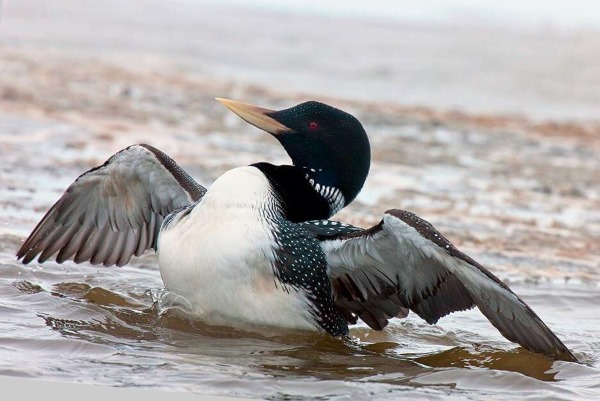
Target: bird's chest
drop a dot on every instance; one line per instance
(227, 248)
(222, 262)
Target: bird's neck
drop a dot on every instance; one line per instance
(300, 196)
(324, 183)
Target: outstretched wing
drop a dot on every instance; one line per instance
(113, 211)
(404, 262)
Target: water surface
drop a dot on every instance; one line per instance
(520, 196)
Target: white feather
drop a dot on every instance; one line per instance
(220, 257)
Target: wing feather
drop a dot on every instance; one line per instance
(143, 241)
(405, 263)
(112, 211)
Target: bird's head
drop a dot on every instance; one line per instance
(329, 145)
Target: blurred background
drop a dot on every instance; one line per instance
(484, 119)
(532, 57)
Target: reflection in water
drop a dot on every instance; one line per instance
(106, 327)
(273, 351)
(522, 361)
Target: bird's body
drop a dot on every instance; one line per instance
(258, 247)
(238, 260)
(220, 255)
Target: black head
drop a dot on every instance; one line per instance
(329, 145)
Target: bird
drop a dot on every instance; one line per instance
(259, 246)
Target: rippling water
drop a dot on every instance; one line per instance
(88, 324)
(521, 197)
(83, 324)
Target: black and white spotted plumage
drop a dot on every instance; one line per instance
(300, 263)
(328, 228)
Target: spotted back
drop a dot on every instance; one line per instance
(301, 264)
(328, 229)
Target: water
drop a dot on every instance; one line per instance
(80, 324)
(452, 56)
(520, 196)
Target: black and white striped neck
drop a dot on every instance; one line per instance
(299, 193)
(330, 152)
(333, 195)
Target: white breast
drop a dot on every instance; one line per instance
(220, 256)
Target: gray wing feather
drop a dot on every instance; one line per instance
(113, 211)
(405, 263)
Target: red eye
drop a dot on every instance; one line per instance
(313, 125)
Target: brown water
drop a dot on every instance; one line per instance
(521, 197)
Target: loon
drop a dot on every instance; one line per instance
(259, 245)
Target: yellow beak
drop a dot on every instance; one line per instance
(257, 116)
